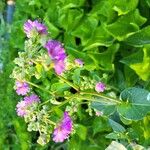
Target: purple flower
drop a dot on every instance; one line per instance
(100, 87)
(55, 50)
(30, 26)
(59, 66)
(22, 88)
(31, 99)
(79, 62)
(21, 108)
(64, 129)
(57, 54)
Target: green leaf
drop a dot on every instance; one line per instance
(76, 76)
(100, 124)
(100, 37)
(135, 103)
(59, 87)
(115, 136)
(103, 9)
(70, 18)
(139, 65)
(116, 126)
(124, 6)
(106, 108)
(140, 37)
(105, 59)
(86, 29)
(126, 25)
(81, 131)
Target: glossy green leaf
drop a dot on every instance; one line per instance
(140, 63)
(116, 126)
(106, 108)
(139, 38)
(100, 124)
(135, 103)
(105, 59)
(124, 6)
(100, 37)
(126, 25)
(81, 131)
(86, 29)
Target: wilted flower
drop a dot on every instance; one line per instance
(57, 54)
(64, 129)
(22, 88)
(100, 87)
(31, 99)
(79, 62)
(31, 26)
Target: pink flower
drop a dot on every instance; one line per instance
(98, 113)
(59, 66)
(79, 62)
(100, 87)
(30, 26)
(64, 129)
(22, 88)
(57, 54)
(21, 108)
(31, 99)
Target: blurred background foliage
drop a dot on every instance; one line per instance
(112, 36)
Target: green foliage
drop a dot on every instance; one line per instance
(112, 38)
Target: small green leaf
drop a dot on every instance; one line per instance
(100, 124)
(81, 131)
(116, 126)
(106, 108)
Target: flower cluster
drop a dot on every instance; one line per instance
(64, 128)
(53, 52)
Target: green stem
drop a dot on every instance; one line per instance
(102, 96)
(43, 104)
(63, 103)
(68, 82)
